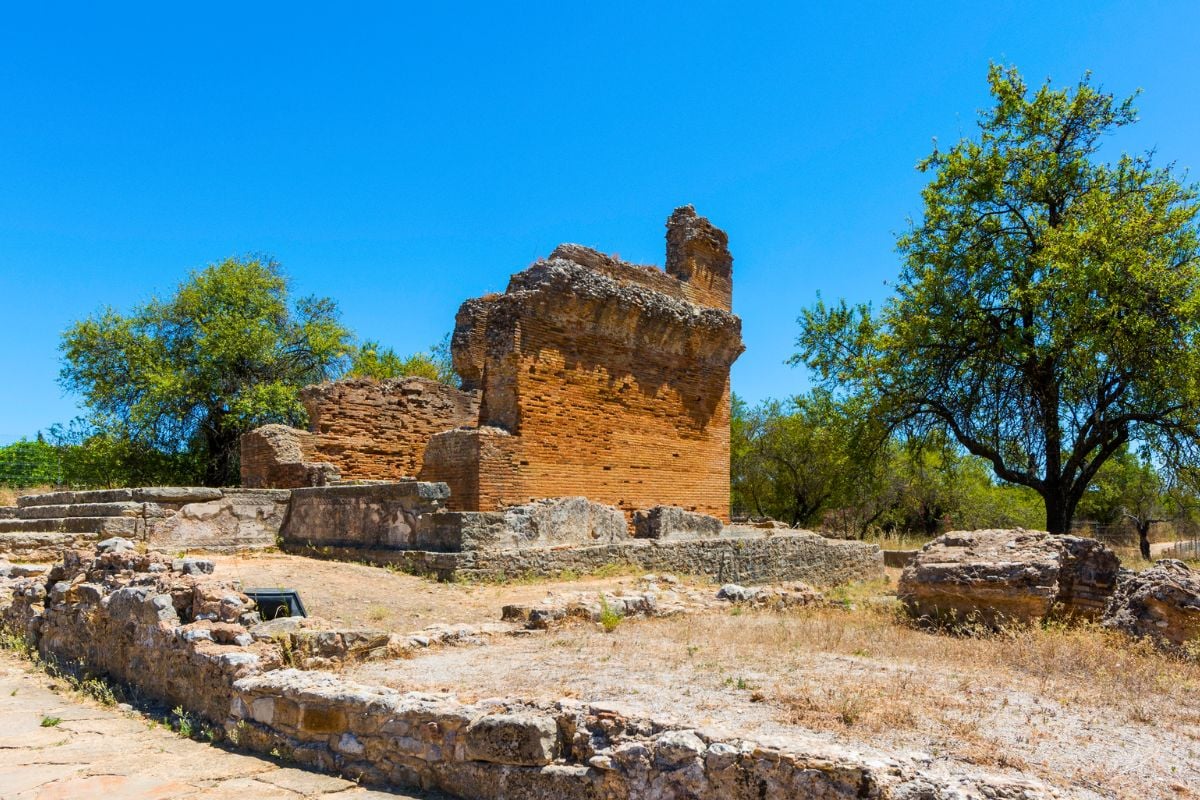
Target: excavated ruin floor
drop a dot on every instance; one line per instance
(364, 596)
(1076, 708)
(95, 751)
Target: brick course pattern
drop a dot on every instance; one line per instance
(600, 379)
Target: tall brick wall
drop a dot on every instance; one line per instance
(611, 381)
(377, 430)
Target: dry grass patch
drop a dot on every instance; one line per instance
(9, 494)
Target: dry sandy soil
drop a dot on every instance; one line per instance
(1080, 708)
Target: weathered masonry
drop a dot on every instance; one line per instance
(589, 377)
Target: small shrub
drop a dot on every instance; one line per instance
(51, 722)
(610, 618)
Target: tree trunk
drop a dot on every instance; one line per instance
(1059, 511)
(1143, 529)
(221, 468)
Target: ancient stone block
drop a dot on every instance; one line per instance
(996, 575)
(672, 522)
(371, 515)
(1161, 603)
(520, 739)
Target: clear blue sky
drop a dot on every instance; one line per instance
(401, 158)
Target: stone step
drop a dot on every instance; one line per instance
(110, 526)
(125, 509)
(8, 512)
(177, 495)
(41, 545)
(69, 498)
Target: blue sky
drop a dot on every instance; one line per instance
(401, 158)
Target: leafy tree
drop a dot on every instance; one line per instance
(26, 463)
(1126, 488)
(789, 459)
(371, 360)
(189, 374)
(1048, 310)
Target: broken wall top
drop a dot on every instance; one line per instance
(679, 314)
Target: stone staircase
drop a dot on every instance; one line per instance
(40, 526)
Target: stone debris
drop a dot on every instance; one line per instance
(654, 596)
(1161, 603)
(993, 576)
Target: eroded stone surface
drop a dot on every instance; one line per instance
(990, 576)
(1161, 603)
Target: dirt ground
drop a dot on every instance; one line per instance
(1080, 708)
(361, 595)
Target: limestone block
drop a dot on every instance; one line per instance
(523, 739)
(1162, 603)
(672, 522)
(1017, 575)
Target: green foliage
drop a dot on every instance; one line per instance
(189, 374)
(26, 463)
(370, 360)
(789, 460)
(610, 618)
(51, 722)
(1048, 310)
(815, 461)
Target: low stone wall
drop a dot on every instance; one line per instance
(741, 556)
(566, 750)
(370, 515)
(186, 639)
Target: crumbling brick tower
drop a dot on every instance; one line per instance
(599, 378)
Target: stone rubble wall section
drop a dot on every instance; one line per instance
(388, 515)
(739, 555)
(655, 596)
(565, 750)
(278, 456)
(993, 576)
(671, 522)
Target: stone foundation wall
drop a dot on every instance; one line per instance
(566, 750)
(186, 639)
(371, 515)
(751, 557)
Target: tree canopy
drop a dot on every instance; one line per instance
(372, 360)
(1048, 310)
(228, 351)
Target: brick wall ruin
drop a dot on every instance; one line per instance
(588, 376)
(378, 430)
(600, 379)
(358, 428)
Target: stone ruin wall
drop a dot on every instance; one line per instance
(358, 428)
(377, 430)
(588, 377)
(600, 379)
